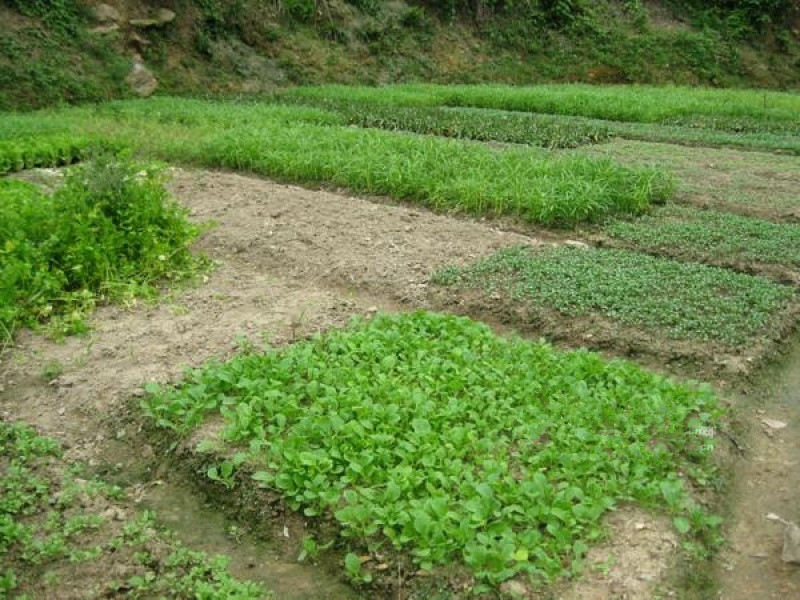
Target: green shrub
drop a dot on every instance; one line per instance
(110, 230)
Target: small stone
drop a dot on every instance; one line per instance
(577, 244)
(164, 16)
(774, 424)
(61, 411)
(791, 544)
(639, 526)
(515, 589)
(141, 80)
(372, 310)
(105, 29)
(104, 13)
(143, 23)
(114, 514)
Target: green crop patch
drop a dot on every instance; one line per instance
(53, 524)
(53, 150)
(445, 175)
(306, 144)
(110, 231)
(713, 237)
(548, 131)
(731, 110)
(430, 436)
(571, 115)
(680, 300)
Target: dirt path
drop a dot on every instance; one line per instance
(293, 262)
(767, 481)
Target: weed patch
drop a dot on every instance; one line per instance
(110, 231)
(54, 522)
(429, 435)
(680, 300)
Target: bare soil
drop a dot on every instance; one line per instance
(767, 482)
(293, 262)
(391, 251)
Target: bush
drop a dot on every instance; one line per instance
(110, 231)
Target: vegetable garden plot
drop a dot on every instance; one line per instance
(713, 237)
(683, 300)
(430, 437)
(309, 145)
(751, 110)
(64, 534)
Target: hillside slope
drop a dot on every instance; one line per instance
(53, 51)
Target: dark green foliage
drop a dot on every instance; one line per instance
(755, 14)
(110, 230)
(548, 131)
(63, 15)
(429, 434)
(682, 300)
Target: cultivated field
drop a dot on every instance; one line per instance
(505, 342)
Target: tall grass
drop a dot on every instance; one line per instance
(307, 145)
(644, 104)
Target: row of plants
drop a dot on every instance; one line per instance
(428, 435)
(643, 104)
(54, 530)
(54, 150)
(548, 131)
(710, 236)
(444, 175)
(559, 131)
(680, 300)
(110, 231)
(306, 144)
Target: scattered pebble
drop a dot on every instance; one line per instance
(774, 424)
(791, 544)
